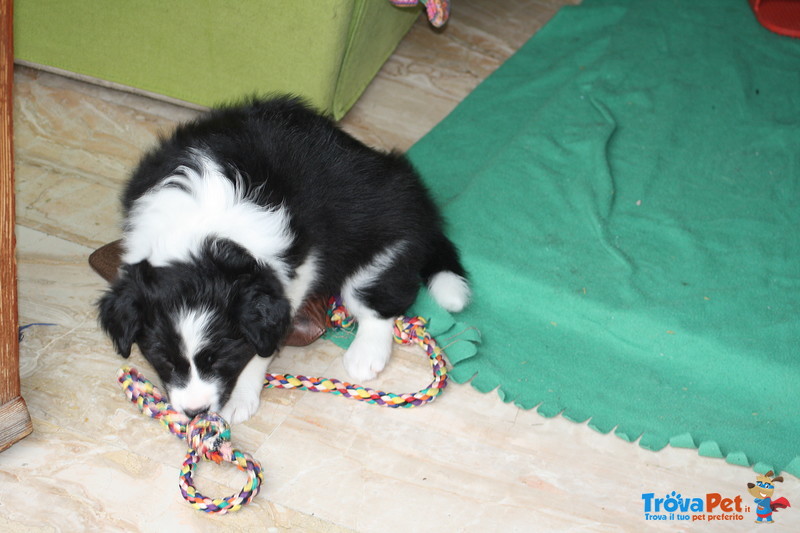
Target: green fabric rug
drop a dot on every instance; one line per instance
(626, 194)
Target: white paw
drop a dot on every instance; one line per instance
(240, 407)
(246, 395)
(363, 361)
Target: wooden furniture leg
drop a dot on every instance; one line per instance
(15, 422)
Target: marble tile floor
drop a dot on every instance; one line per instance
(467, 462)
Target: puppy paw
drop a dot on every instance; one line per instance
(240, 408)
(364, 360)
(246, 396)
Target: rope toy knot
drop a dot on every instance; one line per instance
(210, 435)
(338, 316)
(409, 329)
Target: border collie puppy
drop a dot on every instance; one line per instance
(230, 223)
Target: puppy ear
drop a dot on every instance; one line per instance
(264, 319)
(119, 314)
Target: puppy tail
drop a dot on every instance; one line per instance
(445, 276)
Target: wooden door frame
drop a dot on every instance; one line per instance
(15, 422)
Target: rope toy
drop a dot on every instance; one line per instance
(438, 11)
(407, 330)
(208, 434)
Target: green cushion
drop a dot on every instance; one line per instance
(212, 51)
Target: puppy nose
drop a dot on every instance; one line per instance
(191, 413)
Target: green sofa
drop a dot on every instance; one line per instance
(213, 51)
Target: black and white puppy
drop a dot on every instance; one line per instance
(241, 214)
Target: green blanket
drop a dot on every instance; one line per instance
(626, 194)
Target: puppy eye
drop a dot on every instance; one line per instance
(205, 358)
(156, 353)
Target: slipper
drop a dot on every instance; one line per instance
(780, 16)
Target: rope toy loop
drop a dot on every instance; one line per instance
(208, 435)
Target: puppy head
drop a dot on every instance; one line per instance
(198, 323)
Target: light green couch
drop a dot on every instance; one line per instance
(213, 51)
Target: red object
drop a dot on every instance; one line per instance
(780, 503)
(780, 16)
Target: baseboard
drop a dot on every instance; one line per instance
(108, 84)
(15, 422)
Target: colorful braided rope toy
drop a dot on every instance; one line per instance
(208, 435)
(438, 11)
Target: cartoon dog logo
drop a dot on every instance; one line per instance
(762, 489)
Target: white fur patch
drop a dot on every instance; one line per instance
(171, 222)
(450, 290)
(246, 395)
(192, 325)
(305, 276)
(197, 394)
(365, 277)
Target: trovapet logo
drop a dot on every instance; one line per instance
(711, 506)
(714, 507)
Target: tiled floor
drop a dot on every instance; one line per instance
(468, 462)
